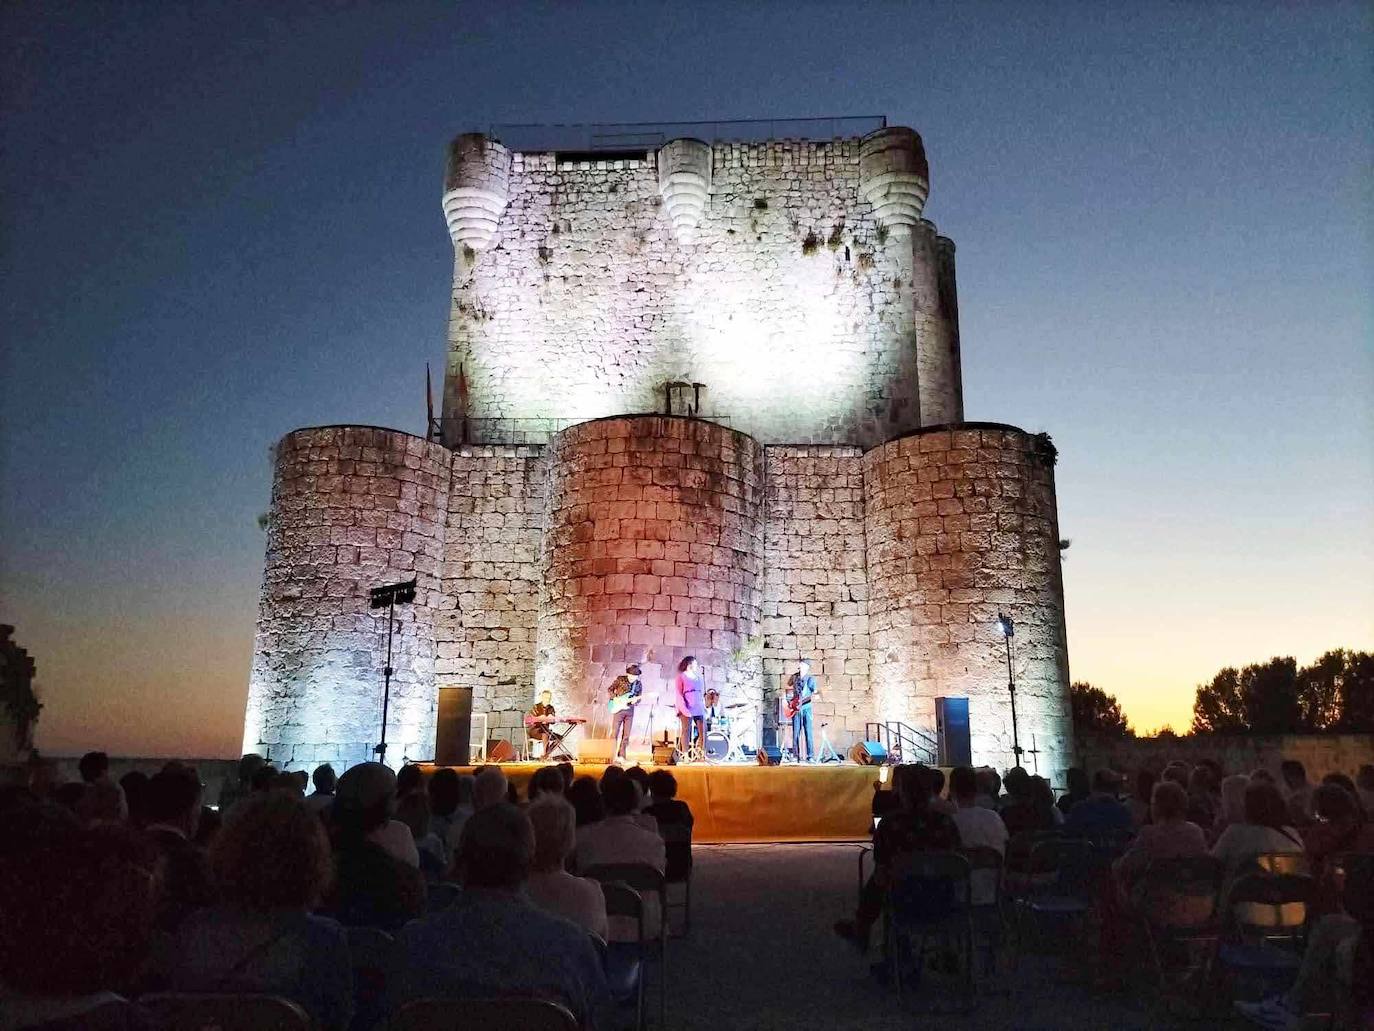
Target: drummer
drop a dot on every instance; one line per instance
(715, 712)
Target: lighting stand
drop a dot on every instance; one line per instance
(388, 597)
(1008, 629)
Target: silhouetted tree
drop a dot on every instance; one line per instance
(1356, 694)
(1269, 697)
(1095, 712)
(1319, 691)
(1336, 692)
(1217, 707)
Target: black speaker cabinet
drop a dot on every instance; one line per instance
(454, 726)
(770, 755)
(952, 732)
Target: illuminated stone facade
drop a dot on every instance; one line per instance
(704, 398)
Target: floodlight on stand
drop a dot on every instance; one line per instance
(388, 596)
(1005, 625)
(1008, 630)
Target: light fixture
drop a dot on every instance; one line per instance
(388, 597)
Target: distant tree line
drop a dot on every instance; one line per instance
(1335, 694)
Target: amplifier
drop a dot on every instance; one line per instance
(596, 750)
(770, 755)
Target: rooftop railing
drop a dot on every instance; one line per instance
(529, 432)
(626, 136)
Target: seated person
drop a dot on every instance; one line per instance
(546, 781)
(1079, 789)
(620, 838)
(271, 863)
(1168, 835)
(979, 827)
(172, 805)
(671, 813)
(1101, 812)
(538, 733)
(493, 941)
(1265, 828)
(585, 796)
(550, 886)
(325, 781)
(372, 888)
(412, 809)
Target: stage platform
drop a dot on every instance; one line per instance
(749, 803)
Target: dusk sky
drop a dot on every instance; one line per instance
(221, 221)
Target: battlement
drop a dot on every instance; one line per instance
(649, 136)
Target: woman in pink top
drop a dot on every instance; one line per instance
(691, 702)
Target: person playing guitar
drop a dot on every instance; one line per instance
(625, 692)
(800, 690)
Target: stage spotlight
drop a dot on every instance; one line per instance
(1005, 625)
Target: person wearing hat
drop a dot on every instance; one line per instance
(625, 692)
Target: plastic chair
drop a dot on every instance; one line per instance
(677, 844)
(1295, 863)
(441, 895)
(645, 880)
(1177, 900)
(624, 961)
(508, 1014)
(989, 918)
(189, 1011)
(929, 897)
(371, 953)
(1267, 916)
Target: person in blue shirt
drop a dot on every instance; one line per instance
(801, 689)
(1102, 811)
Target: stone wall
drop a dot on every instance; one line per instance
(485, 628)
(815, 593)
(758, 270)
(961, 524)
(353, 507)
(1320, 753)
(653, 551)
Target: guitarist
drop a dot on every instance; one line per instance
(625, 692)
(801, 689)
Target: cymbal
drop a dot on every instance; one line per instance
(735, 705)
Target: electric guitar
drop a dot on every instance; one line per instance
(622, 701)
(795, 701)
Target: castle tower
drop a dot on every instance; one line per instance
(703, 396)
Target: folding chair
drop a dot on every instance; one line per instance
(989, 918)
(929, 897)
(1267, 918)
(1018, 876)
(624, 961)
(645, 880)
(677, 843)
(1177, 901)
(1295, 863)
(371, 954)
(191, 1011)
(508, 1014)
(1063, 874)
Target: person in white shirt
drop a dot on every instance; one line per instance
(979, 827)
(550, 886)
(1265, 828)
(620, 838)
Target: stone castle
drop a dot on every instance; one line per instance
(703, 397)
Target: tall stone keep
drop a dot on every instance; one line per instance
(703, 396)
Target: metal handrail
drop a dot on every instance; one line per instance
(904, 743)
(613, 136)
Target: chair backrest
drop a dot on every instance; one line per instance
(1279, 863)
(639, 876)
(442, 895)
(624, 901)
(1069, 866)
(186, 1011)
(677, 849)
(370, 947)
(1181, 892)
(508, 1014)
(929, 886)
(1271, 905)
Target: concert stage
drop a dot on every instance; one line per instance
(748, 803)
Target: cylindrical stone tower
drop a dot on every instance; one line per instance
(935, 314)
(476, 188)
(961, 524)
(653, 550)
(353, 508)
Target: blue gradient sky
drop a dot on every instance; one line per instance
(221, 221)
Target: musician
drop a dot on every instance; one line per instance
(628, 688)
(714, 710)
(691, 707)
(801, 688)
(542, 707)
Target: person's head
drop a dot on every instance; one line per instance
(1294, 773)
(264, 778)
(1334, 804)
(1041, 794)
(546, 781)
(621, 796)
(496, 848)
(611, 774)
(1178, 772)
(1341, 781)
(134, 784)
(272, 854)
(79, 903)
(662, 785)
(910, 785)
(935, 780)
(633, 672)
(1233, 798)
(409, 779)
(963, 785)
(1107, 782)
(1262, 776)
(489, 788)
(248, 766)
(1145, 786)
(689, 665)
(1077, 780)
(1200, 780)
(364, 800)
(1364, 779)
(325, 779)
(546, 697)
(568, 773)
(712, 696)
(174, 797)
(93, 766)
(1017, 782)
(554, 822)
(989, 783)
(1215, 772)
(443, 792)
(413, 811)
(1168, 802)
(293, 782)
(1264, 805)
(803, 667)
(585, 797)
(640, 776)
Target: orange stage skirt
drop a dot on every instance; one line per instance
(758, 803)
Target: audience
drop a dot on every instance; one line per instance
(493, 940)
(1168, 835)
(409, 780)
(413, 811)
(546, 781)
(989, 787)
(102, 801)
(1030, 805)
(675, 822)
(447, 806)
(489, 788)
(240, 787)
(1078, 789)
(372, 888)
(173, 813)
(619, 838)
(271, 865)
(1265, 828)
(550, 886)
(1232, 807)
(1101, 812)
(585, 797)
(1299, 792)
(1340, 826)
(569, 774)
(134, 784)
(979, 827)
(935, 784)
(325, 781)
(1142, 798)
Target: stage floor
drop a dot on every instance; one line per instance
(750, 803)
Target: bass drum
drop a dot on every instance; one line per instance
(717, 745)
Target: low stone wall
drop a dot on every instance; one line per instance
(1320, 753)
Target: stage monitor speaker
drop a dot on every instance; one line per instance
(665, 754)
(952, 732)
(499, 751)
(453, 727)
(598, 750)
(770, 755)
(868, 753)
